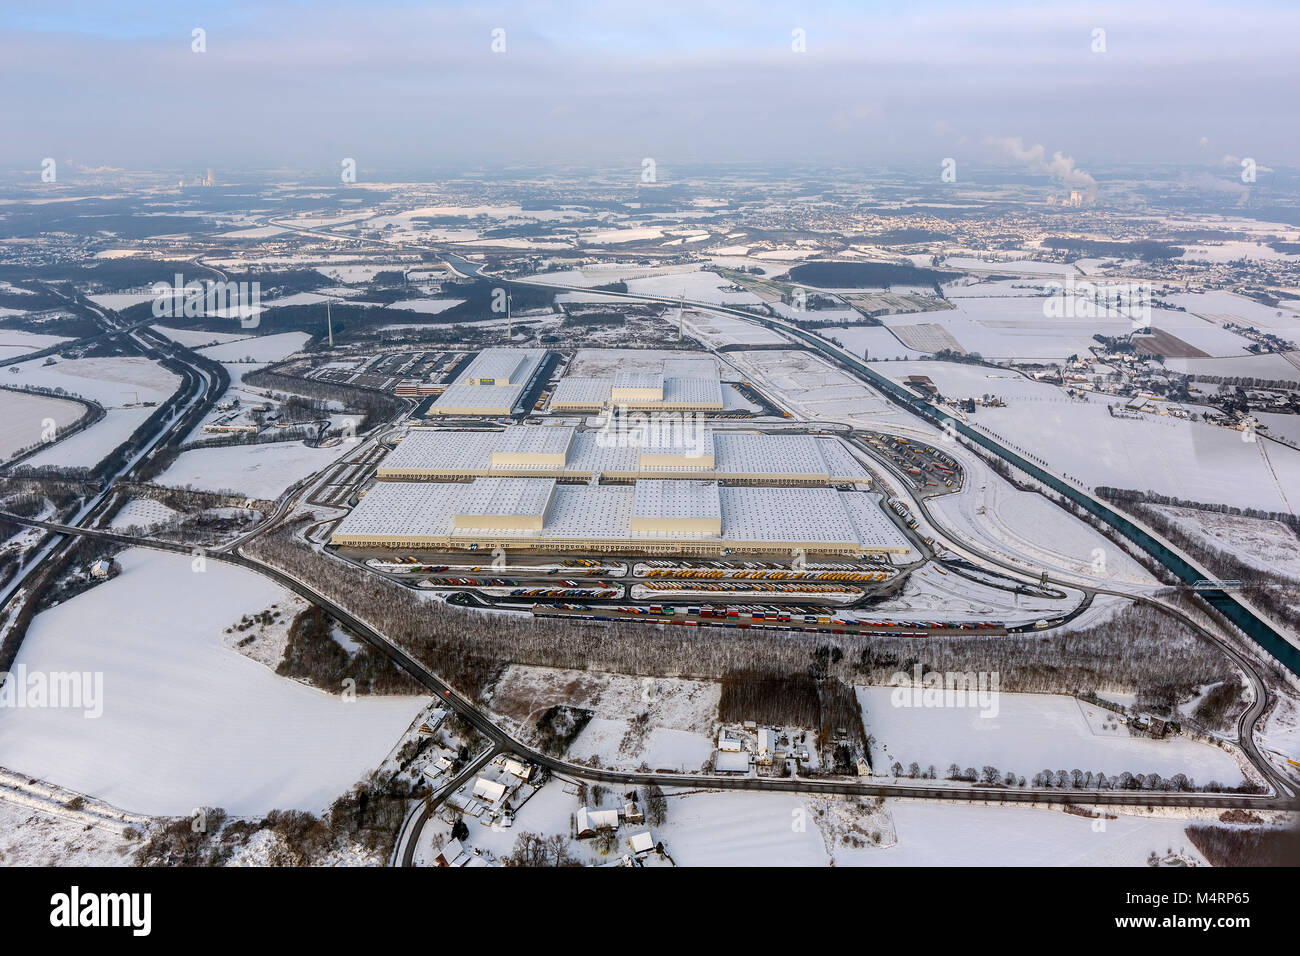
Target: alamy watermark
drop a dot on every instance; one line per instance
(674, 433)
(196, 299)
(1126, 301)
(973, 689)
(21, 689)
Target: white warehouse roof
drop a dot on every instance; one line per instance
(415, 512)
(477, 399)
(495, 368)
(432, 453)
(499, 497)
(655, 498)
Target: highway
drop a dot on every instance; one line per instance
(198, 387)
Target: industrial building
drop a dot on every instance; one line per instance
(651, 516)
(492, 384)
(696, 388)
(672, 449)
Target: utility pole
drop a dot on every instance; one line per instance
(509, 332)
(680, 321)
(329, 322)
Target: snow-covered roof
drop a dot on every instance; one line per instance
(499, 497)
(785, 514)
(692, 391)
(749, 514)
(628, 379)
(488, 398)
(452, 452)
(534, 440)
(581, 391)
(656, 498)
(501, 367)
(589, 819)
(489, 790)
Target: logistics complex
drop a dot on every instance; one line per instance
(661, 481)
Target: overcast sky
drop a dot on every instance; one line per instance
(397, 84)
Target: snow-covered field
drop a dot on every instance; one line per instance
(814, 389)
(427, 306)
(88, 447)
(195, 338)
(716, 331)
(871, 341)
(23, 422)
(187, 722)
(677, 751)
(676, 734)
(750, 829)
(116, 301)
(603, 363)
(1029, 733)
(1030, 531)
(1081, 439)
(257, 471)
(142, 513)
(264, 348)
(14, 342)
(930, 834)
(1267, 545)
(1001, 322)
(113, 382)
(698, 286)
(30, 836)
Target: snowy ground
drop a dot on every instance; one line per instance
(716, 331)
(14, 342)
(814, 389)
(1280, 739)
(25, 417)
(1081, 439)
(142, 513)
(264, 348)
(603, 363)
(256, 471)
(1029, 733)
(677, 732)
(933, 594)
(748, 829)
(1267, 545)
(187, 722)
(114, 383)
(35, 837)
(426, 306)
(1026, 529)
(116, 301)
(194, 338)
(870, 341)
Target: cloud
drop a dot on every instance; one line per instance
(1060, 166)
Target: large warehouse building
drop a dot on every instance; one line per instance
(700, 391)
(651, 516)
(492, 384)
(675, 450)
